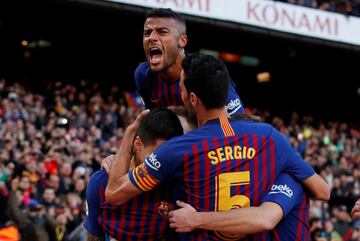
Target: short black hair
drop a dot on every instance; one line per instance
(160, 123)
(208, 78)
(167, 13)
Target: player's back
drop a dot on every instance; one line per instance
(225, 164)
(138, 219)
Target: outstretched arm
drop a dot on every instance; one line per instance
(119, 188)
(238, 221)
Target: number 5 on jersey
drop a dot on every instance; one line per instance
(223, 199)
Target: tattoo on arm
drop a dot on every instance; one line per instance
(94, 238)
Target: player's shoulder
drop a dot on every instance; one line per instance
(142, 70)
(253, 126)
(97, 183)
(99, 177)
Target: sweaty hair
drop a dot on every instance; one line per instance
(160, 123)
(168, 13)
(208, 78)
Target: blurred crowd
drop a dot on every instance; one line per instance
(52, 140)
(50, 144)
(333, 150)
(347, 7)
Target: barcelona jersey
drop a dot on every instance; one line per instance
(142, 218)
(158, 93)
(222, 165)
(290, 195)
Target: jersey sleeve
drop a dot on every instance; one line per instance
(233, 102)
(95, 187)
(159, 166)
(141, 73)
(292, 163)
(286, 192)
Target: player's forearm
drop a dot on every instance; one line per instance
(120, 194)
(317, 187)
(121, 163)
(241, 221)
(119, 167)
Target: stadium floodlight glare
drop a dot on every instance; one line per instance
(232, 57)
(229, 57)
(249, 60)
(263, 77)
(40, 44)
(210, 52)
(24, 43)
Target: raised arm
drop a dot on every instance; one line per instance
(119, 188)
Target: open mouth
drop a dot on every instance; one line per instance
(155, 55)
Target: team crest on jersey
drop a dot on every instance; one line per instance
(142, 171)
(165, 208)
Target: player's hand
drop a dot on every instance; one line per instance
(133, 126)
(183, 219)
(355, 212)
(130, 132)
(106, 163)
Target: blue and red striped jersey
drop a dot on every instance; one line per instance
(142, 218)
(290, 195)
(159, 93)
(222, 165)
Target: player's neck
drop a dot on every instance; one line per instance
(172, 74)
(204, 115)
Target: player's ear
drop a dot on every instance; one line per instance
(138, 145)
(193, 99)
(182, 41)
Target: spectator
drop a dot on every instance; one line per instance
(32, 222)
(48, 198)
(354, 233)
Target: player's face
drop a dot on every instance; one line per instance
(161, 43)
